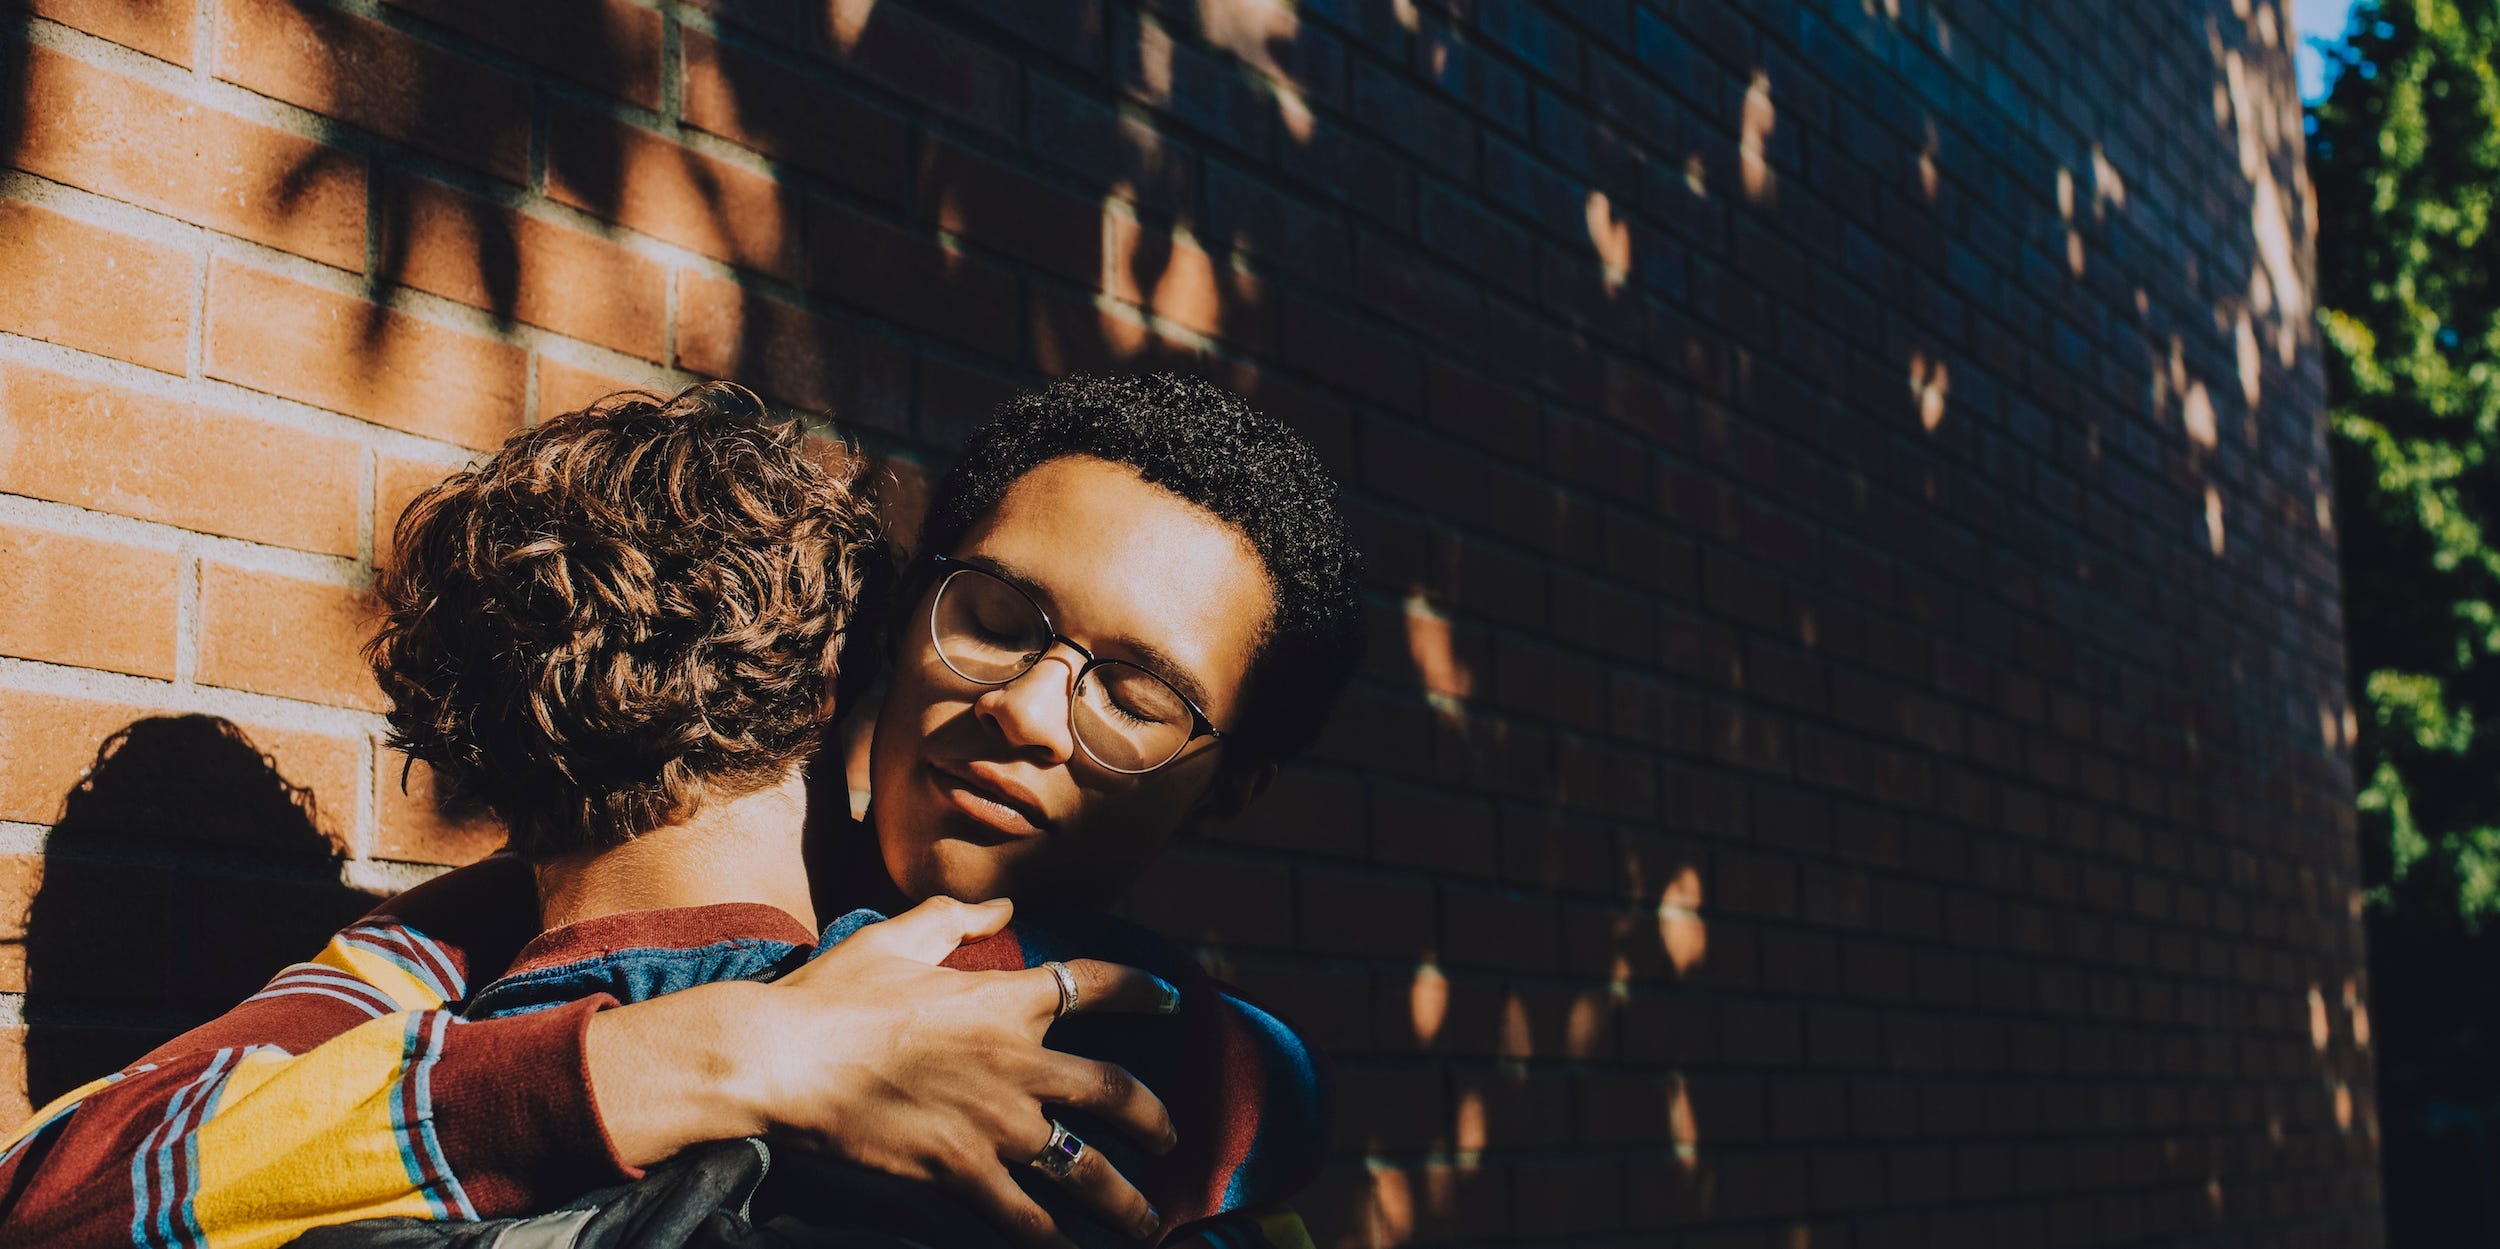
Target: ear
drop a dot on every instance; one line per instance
(1232, 790)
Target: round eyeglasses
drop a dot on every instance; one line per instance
(988, 631)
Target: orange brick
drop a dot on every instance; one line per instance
(487, 256)
(643, 182)
(332, 351)
(160, 28)
(1172, 278)
(566, 388)
(396, 483)
(904, 277)
(757, 104)
(14, 1108)
(49, 741)
(610, 45)
(790, 353)
(377, 78)
(273, 634)
(87, 602)
(120, 137)
(116, 450)
(410, 828)
(104, 292)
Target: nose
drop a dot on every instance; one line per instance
(1031, 712)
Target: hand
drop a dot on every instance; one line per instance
(875, 1054)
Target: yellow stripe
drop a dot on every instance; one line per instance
(1284, 1230)
(53, 1109)
(395, 981)
(299, 1142)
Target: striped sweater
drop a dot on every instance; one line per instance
(364, 1084)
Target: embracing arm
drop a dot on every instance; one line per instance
(315, 1101)
(344, 1090)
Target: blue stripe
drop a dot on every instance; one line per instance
(458, 985)
(418, 1144)
(306, 990)
(68, 1110)
(323, 977)
(1293, 1091)
(153, 1224)
(378, 941)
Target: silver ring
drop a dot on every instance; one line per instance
(1067, 986)
(1058, 1158)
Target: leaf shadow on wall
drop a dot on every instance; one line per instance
(185, 870)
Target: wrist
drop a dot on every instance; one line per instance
(679, 1070)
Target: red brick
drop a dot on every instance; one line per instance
(274, 634)
(528, 268)
(379, 79)
(999, 207)
(160, 28)
(790, 117)
(566, 388)
(1177, 281)
(792, 354)
(609, 45)
(116, 136)
(902, 276)
(1074, 335)
(396, 483)
(87, 602)
(1197, 898)
(336, 352)
(645, 182)
(48, 741)
(925, 61)
(105, 292)
(110, 449)
(954, 401)
(410, 828)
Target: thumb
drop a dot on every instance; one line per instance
(929, 932)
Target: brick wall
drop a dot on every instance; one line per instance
(1854, 749)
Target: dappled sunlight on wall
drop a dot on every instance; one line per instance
(1824, 774)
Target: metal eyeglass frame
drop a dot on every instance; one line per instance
(945, 568)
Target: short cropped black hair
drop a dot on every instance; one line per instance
(1207, 445)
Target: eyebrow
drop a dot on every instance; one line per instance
(1151, 657)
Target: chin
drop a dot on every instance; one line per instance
(948, 869)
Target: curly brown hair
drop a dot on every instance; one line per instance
(625, 606)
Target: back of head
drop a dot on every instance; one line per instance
(625, 608)
(1206, 445)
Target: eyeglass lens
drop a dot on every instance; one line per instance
(989, 633)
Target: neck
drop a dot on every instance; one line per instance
(742, 849)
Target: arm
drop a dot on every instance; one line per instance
(329, 1097)
(313, 1102)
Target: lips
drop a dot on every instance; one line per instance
(992, 800)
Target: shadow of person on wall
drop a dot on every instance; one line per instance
(184, 872)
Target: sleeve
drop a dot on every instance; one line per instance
(343, 1090)
(1246, 1229)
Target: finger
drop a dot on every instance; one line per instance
(1093, 1180)
(1107, 987)
(1007, 1205)
(1107, 1090)
(930, 931)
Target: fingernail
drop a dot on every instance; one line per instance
(1153, 1224)
(1167, 997)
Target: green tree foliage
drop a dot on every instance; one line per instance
(2405, 153)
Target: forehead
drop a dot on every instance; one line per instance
(1119, 559)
